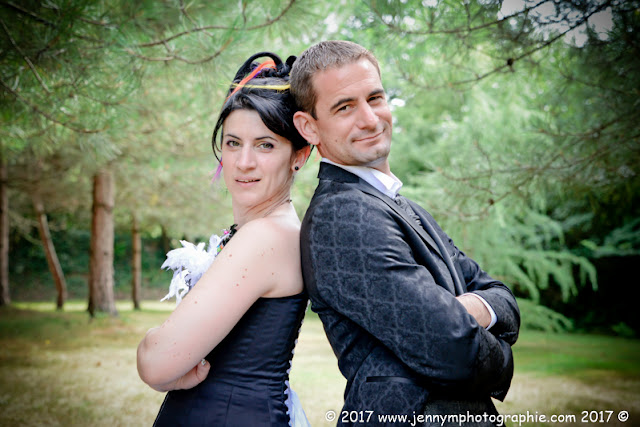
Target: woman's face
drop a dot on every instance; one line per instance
(258, 164)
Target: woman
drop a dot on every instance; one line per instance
(225, 352)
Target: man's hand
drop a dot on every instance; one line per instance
(476, 308)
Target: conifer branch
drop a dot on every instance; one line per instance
(45, 114)
(218, 27)
(28, 13)
(172, 57)
(508, 64)
(458, 30)
(25, 57)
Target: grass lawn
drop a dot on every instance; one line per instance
(63, 369)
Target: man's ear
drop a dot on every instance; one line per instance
(306, 125)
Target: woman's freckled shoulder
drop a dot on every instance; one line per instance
(269, 235)
(273, 229)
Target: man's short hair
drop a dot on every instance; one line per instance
(319, 57)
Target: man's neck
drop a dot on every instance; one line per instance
(387, 183)
(381, 165)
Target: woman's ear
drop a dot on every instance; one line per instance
(306, 126)
(301, 157)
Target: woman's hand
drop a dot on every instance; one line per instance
(189, 380)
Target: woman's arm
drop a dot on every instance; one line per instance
(248, 267)
(189, 380)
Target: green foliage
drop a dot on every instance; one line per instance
(134, 86)
(621, 241)
(29, 272)
(521, 142)
(536, 317)
(587, 357)
(60, 67)
(485, 192)
(623, 330)
(522, 148)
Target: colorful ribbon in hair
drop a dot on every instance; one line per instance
(272, 87)
(266, 64)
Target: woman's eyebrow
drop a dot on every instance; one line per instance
(256, 139)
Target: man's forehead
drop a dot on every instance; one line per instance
(359, 77)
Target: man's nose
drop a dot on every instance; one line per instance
(367, 117)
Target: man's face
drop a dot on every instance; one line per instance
(353, 124)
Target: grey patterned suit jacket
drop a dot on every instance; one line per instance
(385, 298)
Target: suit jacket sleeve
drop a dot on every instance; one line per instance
(360, 264)
(498, 296)
(476, 280)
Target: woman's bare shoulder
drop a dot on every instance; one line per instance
(272, 245)
(276, 230)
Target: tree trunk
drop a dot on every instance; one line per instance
(50, 251)
(101, 296)
(166, 245)
(5, 299)
(136, 264)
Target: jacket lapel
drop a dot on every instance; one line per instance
(334, 173)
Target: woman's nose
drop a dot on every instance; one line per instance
(247, 158)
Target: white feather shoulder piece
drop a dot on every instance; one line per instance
(189, 264)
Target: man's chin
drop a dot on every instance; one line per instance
(376, 154)
(380, 162)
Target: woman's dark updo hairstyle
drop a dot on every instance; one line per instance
(274, 106)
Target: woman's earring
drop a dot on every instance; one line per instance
(218, 172)
(297, 168)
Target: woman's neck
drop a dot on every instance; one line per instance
(243, 215)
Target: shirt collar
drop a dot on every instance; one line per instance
(387, 184)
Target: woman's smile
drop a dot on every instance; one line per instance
(247, 180)
(258, 164)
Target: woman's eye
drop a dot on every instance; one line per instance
(266, 145)
(233, 143)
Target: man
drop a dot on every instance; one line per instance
(417, 327)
